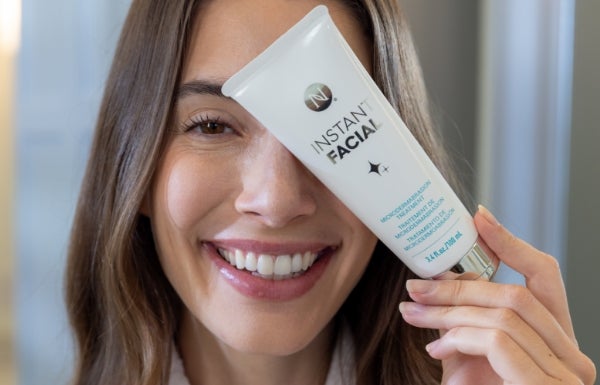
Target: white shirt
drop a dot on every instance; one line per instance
(341, 370)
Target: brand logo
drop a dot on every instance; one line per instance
(317, 97)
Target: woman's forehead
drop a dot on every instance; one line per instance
(229, 33)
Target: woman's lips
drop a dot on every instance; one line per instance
(274, 273)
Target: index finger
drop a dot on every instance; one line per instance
(541, 270)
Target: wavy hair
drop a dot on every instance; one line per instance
(122, 309)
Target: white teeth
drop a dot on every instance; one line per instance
(270, 266)
(297, 263)
(265, 265)
(240, 261)
(251, 261)
(307, 260)
(283, 265)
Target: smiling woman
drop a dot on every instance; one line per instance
(204, 252)
(260, 203)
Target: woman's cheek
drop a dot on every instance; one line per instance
(190, 191)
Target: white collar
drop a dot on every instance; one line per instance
(341, 370)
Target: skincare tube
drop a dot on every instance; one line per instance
(313, 94)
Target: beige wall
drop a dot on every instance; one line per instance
(7, 76)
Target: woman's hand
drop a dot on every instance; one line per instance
(502, 334)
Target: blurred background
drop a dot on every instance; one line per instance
(514, 88)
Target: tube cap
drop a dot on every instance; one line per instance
(476, 264)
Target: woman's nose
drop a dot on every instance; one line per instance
(276, 188)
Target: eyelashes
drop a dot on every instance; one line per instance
(207, 125)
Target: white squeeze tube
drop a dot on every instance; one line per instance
(313, 94)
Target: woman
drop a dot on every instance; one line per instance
(186, 195)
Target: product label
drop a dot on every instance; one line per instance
(318, 97)
(418, 218)
(347, 133)
(336, 121)
(451, 241)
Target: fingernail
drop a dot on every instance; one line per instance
(410, 308)
(420, 286)
(430, 346)
(488, 216)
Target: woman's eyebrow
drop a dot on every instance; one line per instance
(200, 87)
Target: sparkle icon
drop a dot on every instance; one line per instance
(374, 167)
(377, 168)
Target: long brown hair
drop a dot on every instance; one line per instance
(122, 309)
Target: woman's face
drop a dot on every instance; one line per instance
(260, 252)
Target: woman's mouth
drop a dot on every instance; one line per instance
(270, 266)
(267, 271)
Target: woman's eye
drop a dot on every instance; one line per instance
(209, 127)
